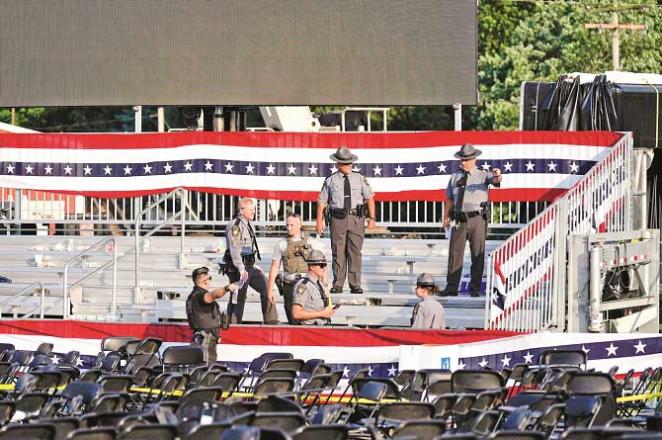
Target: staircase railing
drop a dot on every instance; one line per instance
(65, 280)
(181, 214)
(526, 274)
(24, 291)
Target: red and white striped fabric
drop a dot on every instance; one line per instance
(400, 166)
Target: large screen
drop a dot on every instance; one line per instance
(237, 52)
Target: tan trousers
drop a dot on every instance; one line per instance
(346, 243)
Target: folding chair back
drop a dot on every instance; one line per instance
(182, 356)
(475, 381)
(287, 422)
(322, 432)
(276, 404)
(45, 348)
(43, 431)
(563, 357)
(117, 343)
(285, 364)
(149, 346)
(273, 386)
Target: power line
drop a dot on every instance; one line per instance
(581, 3)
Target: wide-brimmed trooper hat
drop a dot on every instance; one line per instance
(343, 156)
(468, 151)
(315, 257)
(425, 280)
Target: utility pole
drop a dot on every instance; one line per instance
(615, 27)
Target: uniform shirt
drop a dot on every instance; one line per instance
(309, 296)
(207, 312)
(281, 247)
(239, 241)
(475, 192)
(428, 314)
(333, 190)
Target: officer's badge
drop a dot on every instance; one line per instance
(301, 288)
(235, 235)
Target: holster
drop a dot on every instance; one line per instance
(279, 284)
(228, 268)
(225, 321)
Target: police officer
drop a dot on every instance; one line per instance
(346, 192)
(428, 313)
(203, 313)
(311, 305)
(242, 250)
(467, 211)
(290, 252)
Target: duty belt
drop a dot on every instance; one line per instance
(342, 213)
(463, 216)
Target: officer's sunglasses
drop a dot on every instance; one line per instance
(321, 265)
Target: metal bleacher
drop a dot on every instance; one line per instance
(35, 264)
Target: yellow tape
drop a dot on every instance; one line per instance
(638, 397)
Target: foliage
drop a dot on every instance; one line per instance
(518, 40)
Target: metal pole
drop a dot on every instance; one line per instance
(113, 307)
(138, 118)
(43, 295)
(160, 117)
(595, 323)
(136, 286)
(616, 43)
(182, 213)
(457, 113)
(218, 118)
(65, 279)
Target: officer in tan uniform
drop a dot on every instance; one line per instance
(290, 252)
(346, 193)
(467, 210)
(311, 305)
(428, 313)
(240, 267)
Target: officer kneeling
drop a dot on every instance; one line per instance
(203, 314)
(311, 305)
(428, 313)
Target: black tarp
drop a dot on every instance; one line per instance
(569, 105)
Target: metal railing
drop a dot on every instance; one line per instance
(181, 213)
(24, 291)
(91, 215)
(80, 256)
(526, 275)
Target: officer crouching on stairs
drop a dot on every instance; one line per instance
(311, 304)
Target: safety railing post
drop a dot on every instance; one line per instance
(182, 213)
(136, 265)
(42, 302)
(65, 292)
(113, 307)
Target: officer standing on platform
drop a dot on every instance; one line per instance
(466, 213)
(240, 267)
(311, 304)
(428, 313)
(290, 252)
(346, 193)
